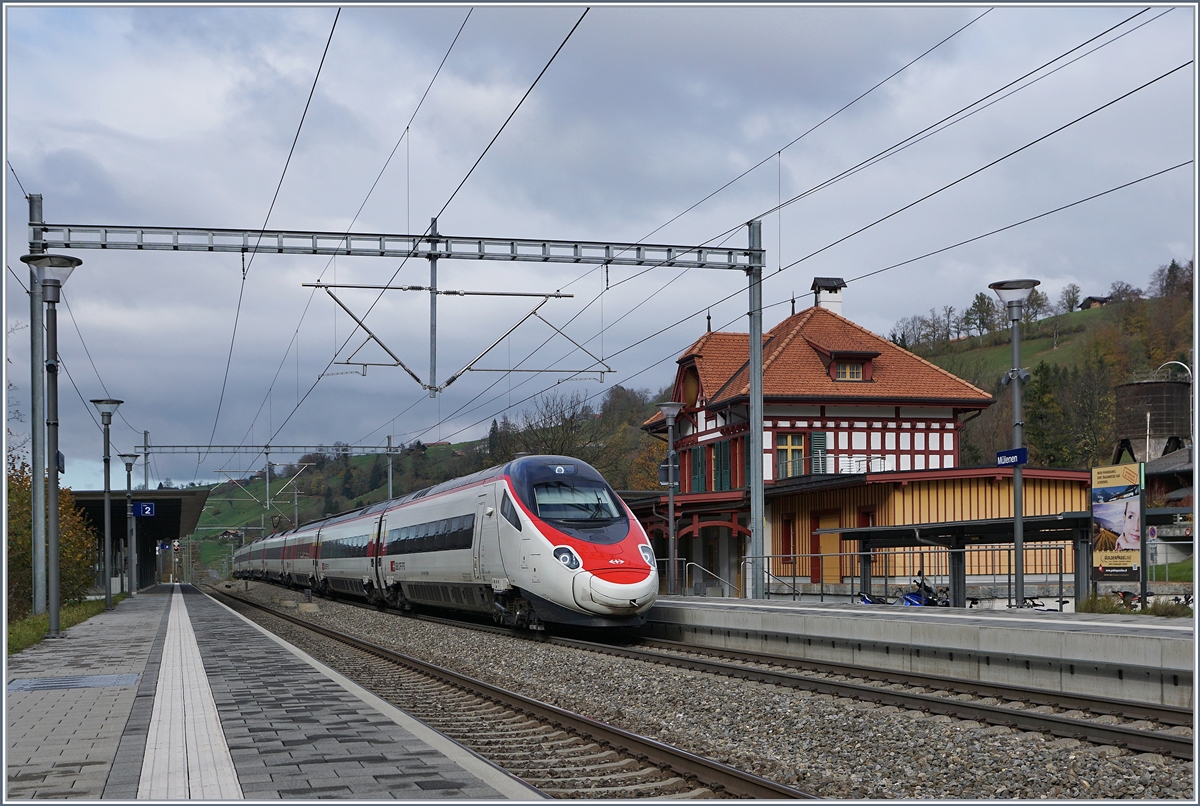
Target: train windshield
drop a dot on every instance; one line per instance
(574, 499)
(571, 496)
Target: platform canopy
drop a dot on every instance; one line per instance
(176, 513)
(954, 534)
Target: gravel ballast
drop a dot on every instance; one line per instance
(834, 747)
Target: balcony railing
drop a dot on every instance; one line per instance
(822, 463)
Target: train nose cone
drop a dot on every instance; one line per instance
(596, 594)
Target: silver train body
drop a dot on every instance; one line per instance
(542, 539)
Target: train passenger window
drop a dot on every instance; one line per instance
(509, 512)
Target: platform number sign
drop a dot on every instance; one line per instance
(143, 509)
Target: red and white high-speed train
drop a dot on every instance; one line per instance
(542, 539)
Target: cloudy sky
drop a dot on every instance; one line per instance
(185, 117)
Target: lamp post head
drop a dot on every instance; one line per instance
(52, 272)
(106, 407)
(1013, 293)
(130, 459)
(670, 411)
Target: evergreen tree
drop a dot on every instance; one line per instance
(494, 441)
(378, 476)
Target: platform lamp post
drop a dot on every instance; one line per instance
(1013, 294)
(106, 408)
(130, 459)
(670, 411)
(53, 271)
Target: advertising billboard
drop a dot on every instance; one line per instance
(1116, 523)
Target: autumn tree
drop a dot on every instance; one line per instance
(76, 544)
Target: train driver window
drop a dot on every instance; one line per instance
(509, 512)
(576, 499)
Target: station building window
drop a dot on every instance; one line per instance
(789, 455)
(849, 371)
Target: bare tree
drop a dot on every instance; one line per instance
(1068, 300)
(1121, 291)
(1036, 306)
(564, 425)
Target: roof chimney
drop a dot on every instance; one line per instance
(827, 293)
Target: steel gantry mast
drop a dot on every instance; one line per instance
(433, 246)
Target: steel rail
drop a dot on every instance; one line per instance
(1116, 735)
(1167, 714)
(1100, 706)
(719, 776)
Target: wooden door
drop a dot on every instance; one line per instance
(830, 545)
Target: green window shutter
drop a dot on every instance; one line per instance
(818, 451)
(721, 466)
(746, 460)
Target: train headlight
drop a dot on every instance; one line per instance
(647, 554)
(568, 558)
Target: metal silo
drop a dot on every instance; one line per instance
(1167, 404)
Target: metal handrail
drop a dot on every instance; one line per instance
(711, 574)
(1054, 568)
(795, 591)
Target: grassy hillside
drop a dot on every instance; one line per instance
(1075, 360)
(984, 360)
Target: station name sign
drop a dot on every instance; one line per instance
(1017, 456)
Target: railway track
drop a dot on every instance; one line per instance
(1134, 726)
(563, 754)
(1146, 728)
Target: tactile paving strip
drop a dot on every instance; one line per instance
(87, 681)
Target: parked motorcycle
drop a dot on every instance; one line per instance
(922, 595)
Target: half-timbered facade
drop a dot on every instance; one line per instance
(838, 400)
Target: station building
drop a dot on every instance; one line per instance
(860, 437)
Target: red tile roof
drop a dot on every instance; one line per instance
(717, 356)
(792, 367)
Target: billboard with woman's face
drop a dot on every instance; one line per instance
(1116, 523)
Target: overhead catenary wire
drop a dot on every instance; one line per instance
(442, 211)
(723, 187)
(521, 102)
(940, 190)
(879, 156)
(954, 117)
(246, 268)
(863, 276)
(88, 353)
(801, 136)
(404, 137)
(996, 161)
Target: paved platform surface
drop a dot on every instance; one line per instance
(173, 696)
